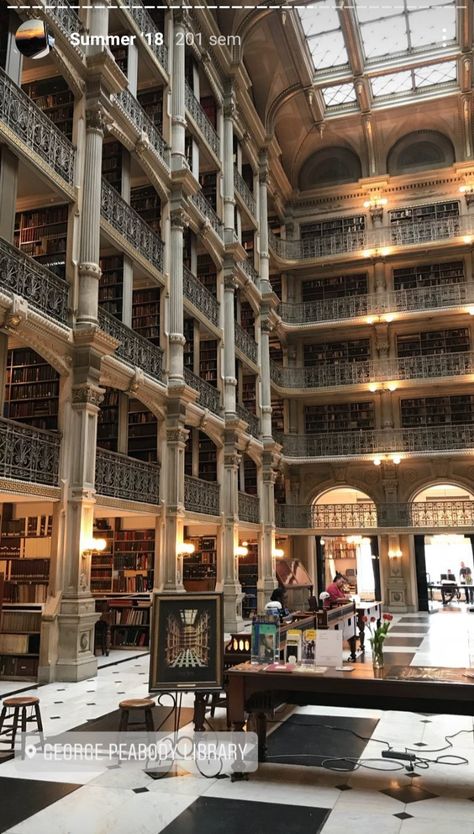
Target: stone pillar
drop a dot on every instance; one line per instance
(230, 497)
(127, 291)
(266, 568)
(266, 408)
(89, 269)
(230, 382)
(178, 111)
(265, 285)
(229, 199)
(176, 436)
(176, 337)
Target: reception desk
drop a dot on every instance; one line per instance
(341, 618)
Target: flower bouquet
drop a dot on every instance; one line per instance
(378, 636)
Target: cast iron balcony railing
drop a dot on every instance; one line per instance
(244, 191)
(64, 16)
(120, 476)
(29, 124)
(200, 296)
(245, 343)
(251, 419)
(142, 122)
(436, 365)
(193, 106)
(201, 496)
(209, 396)
(250, 270)
(28, 454)
(331, 309)
(293, 250)
(32, 281)
(208, 212)
(424, 439)
(425, 231)
(368, 516)
(147, 26)
(249, 508)
(130, 225)
(134, 349)
(325, 375)
(430, 298)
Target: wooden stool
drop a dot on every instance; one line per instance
(12, 707)
(132, 705)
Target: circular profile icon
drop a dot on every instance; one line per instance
(33, 39)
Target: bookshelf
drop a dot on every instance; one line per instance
(208, 104)
(208, 183)
(338, 286)
(247, 318)
(134, 553)
(276, 350)
(249, 393)
(417, 214)
(20, 637)
(207, 458)
(120, 54)
(142, 432)
(56, 101)
(111, 285)
(248, 576)
(250, 476)
(146, 313)
(146, 202)
(434, 342)
(25, 550)
(128, 619)
(334, 352)
(108, 420)
(112, 163)
(208, 361)
(437, 411)
(102, 563)
(188, 330)
(278, 415)
(428, 275)
(199, 569)
(275, 281)
(31, 390)
(334, 227)
(279, 489)
(42, 234)
(207, 274)
(152, 103)
(339, 417)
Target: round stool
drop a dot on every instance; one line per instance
(16, 709)
(134, 705)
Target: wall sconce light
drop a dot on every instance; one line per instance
(185, 549)
(354, 539)
(467, 239)
(278, 552)
(466, 189)
(376, 202)
(396, 459)
(394, 554)
(94, 546)
(240, 550)
(377, 461)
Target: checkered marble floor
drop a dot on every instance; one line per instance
(297, 798)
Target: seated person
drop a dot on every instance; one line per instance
(336, 594)
(278, 603)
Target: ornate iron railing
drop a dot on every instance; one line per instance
(21, 115)
(293, 250)
(427, 439)
(244, 191)
(368, 516)
(147, 25)
(425, 367)
(251, 419)
(208, 212)
(193, 106)
(130, 225)
(330, 309)
(407, 234)
(200, 296)
(250, 270)
(209, 397)
(64, 16)
(28, 454)
(134, 349)
(430, 298)
(325, 375)
(26, 277)
(201, 496)
(120, 476)
(245, 343)
(249, 508)
(140, 120)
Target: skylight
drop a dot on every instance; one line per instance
(405, 26)
(430, 75)
(323, 32)
(339, 94)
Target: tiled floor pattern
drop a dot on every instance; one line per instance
(280, 797)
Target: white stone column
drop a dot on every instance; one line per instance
(176, 336)
(265, 285)
(176, 436)
(266, 408)
(230, 382)
(229, 198)
(266, 569)
(89, 269)
(178, 110)
(231, 585)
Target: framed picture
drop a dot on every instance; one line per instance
(187, 642)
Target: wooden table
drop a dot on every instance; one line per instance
(367, 609)
(251, 689)
(449, 590)
(341, 618)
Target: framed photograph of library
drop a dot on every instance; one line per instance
(187, 642)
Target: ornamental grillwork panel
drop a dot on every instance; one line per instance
(244, 191)
(249, 508)
(28, 454)
(251, 419)
(147, 25)
(140, 120)
(201, 496)
(26, 277)
(200, 296)
(209, 397)
(193, 106)
(120, 476)
(134, 349)
(245, 343)
(208, 212)
(130, 225)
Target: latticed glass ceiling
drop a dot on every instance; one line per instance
(413, 80)
(323, 31)
(404, 26)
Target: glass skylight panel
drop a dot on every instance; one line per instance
(390, 28)
(319, 17)
(432, 26)
(328, 50)
(435, 74)
(371, 10)
(322, 28)
(339, 94)
(396, 82)
(385, 37)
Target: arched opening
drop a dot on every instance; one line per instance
(421, 150)
(329, 166)
(445, 552)
(354, 556)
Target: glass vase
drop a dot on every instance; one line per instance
(377, 657)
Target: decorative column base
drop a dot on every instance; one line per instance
(397, 595)
(233, 620)
(76, 658)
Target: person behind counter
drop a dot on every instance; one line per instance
(277, 603)
(336, 594)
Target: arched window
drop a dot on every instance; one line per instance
(330, 166)
(421, 150)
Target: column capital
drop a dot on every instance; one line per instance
(90, 270)
(230, 283)
(96, 119)
(177, 434)
(178, 218)
(87, 394)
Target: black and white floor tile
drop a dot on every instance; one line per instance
(291, 791)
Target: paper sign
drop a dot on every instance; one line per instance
(328, 647)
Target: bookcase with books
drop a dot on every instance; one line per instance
(152, 103)
(278, 415)
(339, 417)
(207, 274)
(120, 54)
(108, 420)
(208, 361)
(55, 99)
(42, 234)
(456, 409)
(111, 285)
(134, 553)
(275, 281)
(433, 342)
(31, 390)
(250, 476)
(248, 575)
(112, 163)
(247, 318)
(334, 352)
(146, 313)
(142, 432)
(208, 184)
(207, 458)
(199, 569)
(335, 226)
(128, 619)
(338, 286)
(146, 202)
(249, 393)
(428, 275)
(413, 224)
(188, 331)
(102, 562)
(20, 636)
(208, 104)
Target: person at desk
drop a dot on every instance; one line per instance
(465, 578)
(277, 603)
(336, 594)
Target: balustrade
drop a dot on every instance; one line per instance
(200, 296)
(208, 212)
(130, 225)
(249, 508)
(32, 281)
(252, 420)
(147, 25)
(368, 516)
(120, 476)
(142, 122)
(245, 343)
(134, 349)
(28, 454)
(244, 191)
(193, 106)
(209, 396)
(201, 496)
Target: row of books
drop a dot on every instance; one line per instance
(29, 568)
(15, 621)
(130, 616)
(128, 638)
(26, 592)
(131, 562)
